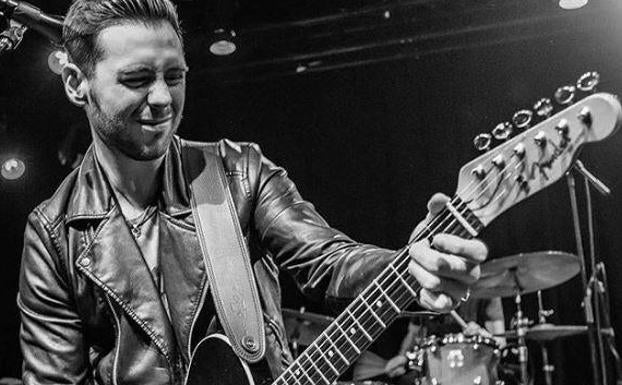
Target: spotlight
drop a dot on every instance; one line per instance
(12, 168)
(57, 61)
(572, 4)
(223, 42)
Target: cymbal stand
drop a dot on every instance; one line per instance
(547, 368)
(522, 323)
(591, 305)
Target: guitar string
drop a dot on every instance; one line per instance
(452, 223)
(355, 310)
(371, 292)
(389, 288)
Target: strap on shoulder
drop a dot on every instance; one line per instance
(225, 253)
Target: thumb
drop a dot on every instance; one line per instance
(436, 203)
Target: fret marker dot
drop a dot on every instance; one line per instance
(352, 331)
(331, 354)
(297, 372)
(379, 304)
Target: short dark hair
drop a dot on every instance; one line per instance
(87, 18)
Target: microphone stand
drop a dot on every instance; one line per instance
(591, 307)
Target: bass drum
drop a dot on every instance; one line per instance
(456, 359)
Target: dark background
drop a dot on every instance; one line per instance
(367, 122)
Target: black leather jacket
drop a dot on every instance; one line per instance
(90, 310)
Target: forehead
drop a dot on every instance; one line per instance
(137, 43)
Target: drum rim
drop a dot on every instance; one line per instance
(458, 338)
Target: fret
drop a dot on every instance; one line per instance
(296, 380)
(384, 293)
(293, 377)
(359, 325)
(373, 313)
(318, 370)
(410, 289)
(356, 349)
(303, 371)
(336, 349)
(327, 361)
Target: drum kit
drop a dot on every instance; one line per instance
(460, 359)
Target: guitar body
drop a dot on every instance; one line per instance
(214, 363)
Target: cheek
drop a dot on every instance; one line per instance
(179, 96)
(122, 102)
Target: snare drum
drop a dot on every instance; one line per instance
(456, 359)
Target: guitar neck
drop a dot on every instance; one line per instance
(374, 309)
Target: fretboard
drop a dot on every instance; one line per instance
(374, 309)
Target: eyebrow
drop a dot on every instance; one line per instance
(144, 68)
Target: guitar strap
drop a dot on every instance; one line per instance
(225, 253)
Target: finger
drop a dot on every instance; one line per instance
(436, 203)
(444, 265)
(472, 249)
(433, 282)
(439, 302)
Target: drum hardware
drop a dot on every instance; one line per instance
(522, 323)
(596, 299)
(547, 368)
(457, 359)
(303, 327)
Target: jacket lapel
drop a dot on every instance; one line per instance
(114, 262)
(185, 279)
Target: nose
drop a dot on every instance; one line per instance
(159, 95)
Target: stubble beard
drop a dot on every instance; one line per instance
(115, 134)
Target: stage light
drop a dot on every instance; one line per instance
(12, 168)
(223, 42)
(57, 61)
(572, 4)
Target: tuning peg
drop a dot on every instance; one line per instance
(522, 118)
(502, 131)
(588, 81)
(482, 142)
(543, 108)
(565, 95)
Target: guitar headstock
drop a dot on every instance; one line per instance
(536, 158)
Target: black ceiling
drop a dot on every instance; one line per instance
(284, 37)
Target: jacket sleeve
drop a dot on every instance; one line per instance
(322, 260)
(51, 331)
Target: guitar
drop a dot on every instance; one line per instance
(487, 187)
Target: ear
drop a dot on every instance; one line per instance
(76, 84)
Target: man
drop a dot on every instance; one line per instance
(112, 286)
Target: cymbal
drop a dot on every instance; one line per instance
(304, 327)
(547, 332)
(525, 273)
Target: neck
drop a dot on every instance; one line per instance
(136, 180)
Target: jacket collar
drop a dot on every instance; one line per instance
(92, 197)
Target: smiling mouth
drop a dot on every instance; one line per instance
(155, 122)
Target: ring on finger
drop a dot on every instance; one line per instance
(467, 295)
